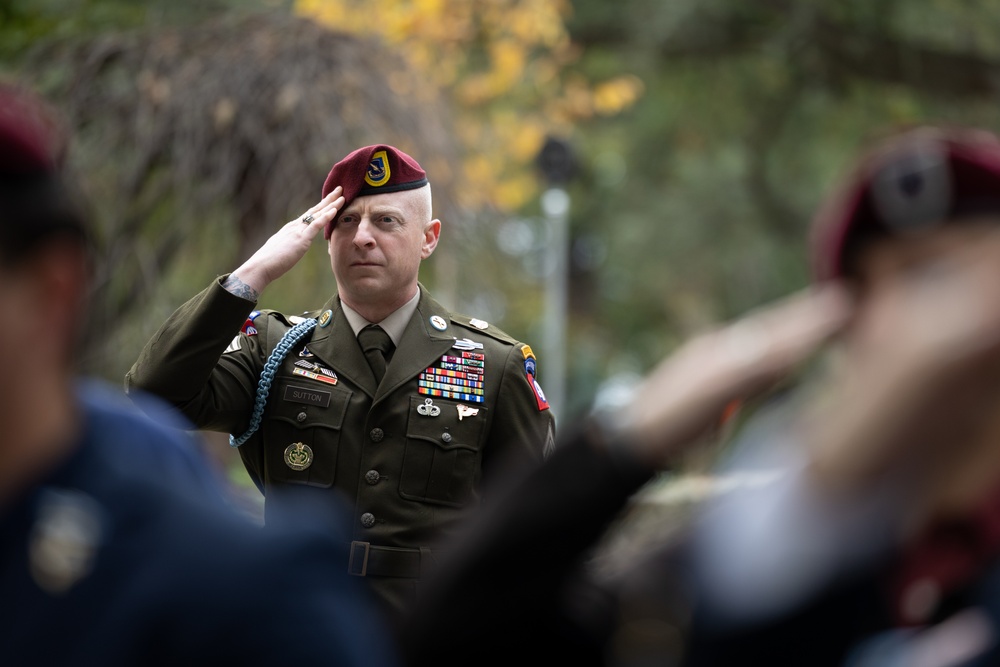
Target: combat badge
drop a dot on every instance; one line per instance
(298, 456)
(466, 344)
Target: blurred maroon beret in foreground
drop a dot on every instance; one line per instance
(31, 142)
(910, 182)
(36, 200)
(373, 170)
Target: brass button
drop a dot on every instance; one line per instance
(377, 434)
(367, 519)
(446, 437)
(372, 477)
(301, 417)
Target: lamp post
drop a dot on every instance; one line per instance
(558, 165)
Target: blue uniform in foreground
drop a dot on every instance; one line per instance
(127, 554)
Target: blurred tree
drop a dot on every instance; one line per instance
(212, 136)
(505, 65)
(707, 131)
(696, 201)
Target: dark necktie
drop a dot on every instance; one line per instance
(378, 347)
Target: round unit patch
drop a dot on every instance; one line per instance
(298, 456)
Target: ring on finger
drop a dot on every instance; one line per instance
(307, 218)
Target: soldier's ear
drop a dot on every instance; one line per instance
(432, 232)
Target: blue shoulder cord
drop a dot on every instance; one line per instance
(278, 354)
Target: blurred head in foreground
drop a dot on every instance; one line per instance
(915, 227)
(916, 188)
(44, 269)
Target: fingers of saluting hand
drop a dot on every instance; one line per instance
(289, 244)
(326, 210)
(686, 394)
(776, 338)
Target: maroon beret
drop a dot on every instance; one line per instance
(373, 170)
(36, 200)
(31, 141)
(911, 181)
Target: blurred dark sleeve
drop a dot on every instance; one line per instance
(516, 570)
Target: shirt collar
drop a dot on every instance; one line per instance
(394, 324)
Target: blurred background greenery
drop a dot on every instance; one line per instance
(703, 134)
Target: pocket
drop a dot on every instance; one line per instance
(302, 429)
(442, 454)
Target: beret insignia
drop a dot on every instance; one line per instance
(378, 170)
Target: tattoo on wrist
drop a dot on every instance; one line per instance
(235, 286)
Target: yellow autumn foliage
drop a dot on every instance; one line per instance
(504, 64)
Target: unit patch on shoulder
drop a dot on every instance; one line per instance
(530, 367)
(248, 326)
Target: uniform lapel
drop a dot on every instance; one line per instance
(336, 345)
(420, 346)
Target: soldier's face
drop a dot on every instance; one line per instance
(934, 255)
(377, 245)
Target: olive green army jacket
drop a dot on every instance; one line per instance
(458, 401)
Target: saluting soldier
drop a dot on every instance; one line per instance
(381, 394)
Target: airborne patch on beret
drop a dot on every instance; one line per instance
(378, 172)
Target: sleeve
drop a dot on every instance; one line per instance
(509, 572)
(523, 428)
(194, 362)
